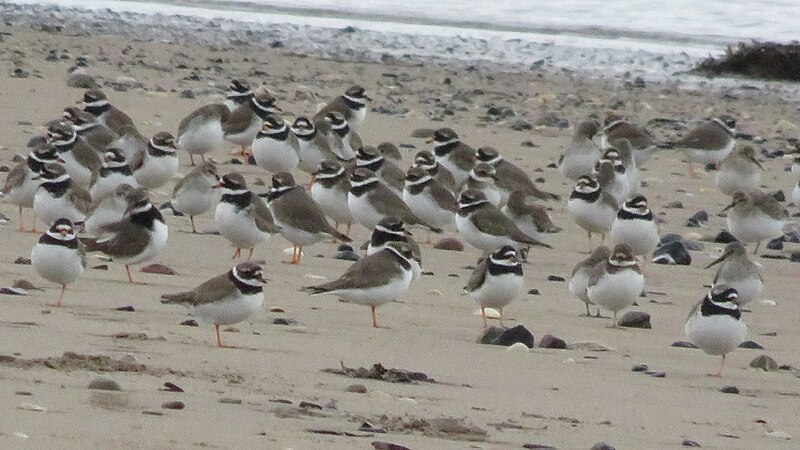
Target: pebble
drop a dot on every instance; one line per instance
(104, 384)
(674, 253)
(657, 374)
(81, 81)
(22, 260)
(639, 368)
(765, 363)
(556, 278)
(690, 443)
(553, 120)
(284, 321)
(18, 73)
(451, 244)
(550, 341)
(422, 133)
(677, 204)
(347, 256)
(724, 237)
(520, 125)
(635, 319)
(779, 435)
(539, 447)
(669, 238)
(534, 291)
(380, 445)
(729, 390)
(683, 344)
(753, 345)
(187, 93)
(230, 401)
(697, 220)
(189, 323)
(779, 196)
(603, 446)
(507, 336)
(518, 347)
(160, 269)
(775, 244)
(171, 387)
(175, 404)
(125, 308)
(356, 388)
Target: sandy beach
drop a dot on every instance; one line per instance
(483, 396)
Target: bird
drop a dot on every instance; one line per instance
(329, 189)
(107, 210)
(624, 152)
(428, 199)
(131, 143)
(390, 152)
(392, 229)
(591, 208)
(225, 299)
(715, 323)
(641, 140)
(452, 154)
(301, 220)
(200, 132)
(96, 103)
(115, 171)
(531, 218)
(635, 225)
(496, 281)
(387, 171)
(313, 146)
(197, 192)
(241, 126)
(343, 141)
(615, 283)
(352, 105)
(239, 92)
(59, 197)
(610, 172)
(708, 143)
(159, 163)
(510, 177)
(482, 178)
(796, 194)
(23, 180)
(581, 154)
(275, 148)
(579, 280)
(81, 160)
(484, 227)
(59, 256)
(374, 280)
(755, 216)
(89, 128)
(241, 216)
(139, 237)
(427, 161)
(737, 271)
(739, 171)
(370, 200)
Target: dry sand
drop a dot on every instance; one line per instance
(563, 398)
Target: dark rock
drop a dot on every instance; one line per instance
(507, 336)
(380, 445)
(770, 256)
(765, 363)
(729, 390)
(779, 196)
(100, 267)
(187, 93)
(670, 237)
(284, 321)
(690, 443)
(490, 335)
(175, 404)
(555, 278)
(159, 269)
(674, 205)
(22, 260)
(753, 345)
(451, 244)
(550, 119)
(795, 256)
(550, 341)
(356, 388)
(724, 237)
(104, 384)
(171, 387)
(126, 308)
(635, 319)
(603, 446)
(18, 73)
(657, 374)
(697, 220)
(775, 244)
(422, 133)
(520, 125)
(683, 344)
(534, 291)
(639, 368)
(639, 82)
(539, 446)
(370, 428)
(82, 81)
(189, 323)
(347, 256)
(672, 254)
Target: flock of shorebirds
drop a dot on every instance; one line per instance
(92, 170)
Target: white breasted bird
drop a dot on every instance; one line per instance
(115, 171)
(737, 271)
(225, 299)
(581, 154)
(454, 155)
(642, 141)
(109, 209)
(330, 189)
(531, 218)
(89, 128)
(615, 283)
(241, 216)
(482, 178)
(739, 171)
(427, 161)
(59, 256)
(708, 143)
(636, 226)
(715, 323)
(197, 192)
(96, 102)
(239, 92)
(80, 159)
(200, 132)
(591, 208)
(510, 177)
(241, 126)
(352, 105)
(387, 171)
(496, 281)
(59, 197)
(275, 148)
(392, 229)
(579, 280)
(23, 180)
(159, 163)
(428, 199)
(755, 216)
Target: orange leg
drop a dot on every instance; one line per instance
(298, 251)
(61, 297)
(219, 340)
(128, 270)
(237, 253)
(374, 317)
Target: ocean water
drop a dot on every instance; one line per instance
(507, 31)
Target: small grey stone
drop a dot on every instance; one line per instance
(81, 81)
(657, 374)
(449, 243)
(753, 345)
(550, 119)
(724, 237)
(18, 73)
(347, 256)
(187, 93)
(104, 384)
(765, 363)
(356, 388)
(672, 254)
(635, 319)
(775, 244)
(639, 368)
(690, 443)
(550, 341)
(603, 446)
(520, 125)
(677, 204)
(422, 133)
(284, 321)
(683, 344)
(729, 390)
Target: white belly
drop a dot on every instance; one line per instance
(575, 166)
(56, 264)
(238, 227)
(709, 156)
(378, 296)
(158, 240)
(310, 156)
(423, 206)
(592, 217)
(498, 291)
(729, 182)
(363, 212)
(106, 185)
(245, 138)
(194, 202)
(459, 175)
(274, 156)
(357, 119)
(23, 194)
(578, 283)
(333, 203)
(79, 173)
(297, 236)
(749, 288)
(230, 310)
(641, 235)
(480, 240)
(202, 138)
(754, 228)
(715, 335)
(49, 209)
(111, 209)
(155, 172)
(616, 292)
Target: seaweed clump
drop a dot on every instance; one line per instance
(761, 60)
